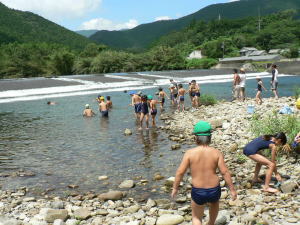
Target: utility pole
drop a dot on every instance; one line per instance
(259, 20)
(223, 48)
(219, 17)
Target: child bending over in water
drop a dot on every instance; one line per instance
(162, 97)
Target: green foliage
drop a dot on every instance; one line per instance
(241, 158)
(207, 99)
(24, 27)
(294, 52)
(141, 37)
(274, 123)
(63, 63)
(204, 63)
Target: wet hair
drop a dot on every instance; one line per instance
(193, 81)
(180, 85)
(280, 136)
(160, 89)
(235, 70)
(144, 97)
(274, 66)
(48, 103)
(107, 97)
(125, 91)
(171, 80)
(203, 140)
(259, 79)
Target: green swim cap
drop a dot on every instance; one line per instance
(149, 97)
(202, 128)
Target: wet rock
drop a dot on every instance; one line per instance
(102, 177)
(234, 147)
(150, 203)
(169, 219)
(170, 181)
(216, 123)
(127, 184)
(111, 195)
(175, 147)
(82, 213)
(182, 199)
(132, 209)
(57, 205)
(158, 176)
(127, 132)
(73, 186)
(288, 186)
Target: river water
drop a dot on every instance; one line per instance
(60, 147)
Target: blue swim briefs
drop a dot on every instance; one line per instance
(204, 195)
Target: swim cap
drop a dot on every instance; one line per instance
(242, 69)
(132, 92)
(101, 98)
(149, 97)
(202, 128)
(87, 106)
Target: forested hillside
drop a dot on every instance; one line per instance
(86, 33)
(141, 37)
(279, 30)
(25, 27)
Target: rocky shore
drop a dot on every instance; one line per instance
(230, 121)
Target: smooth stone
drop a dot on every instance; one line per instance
(170, 181)
(158, 176)
(102, 212)
(288, 186)
(58, 222)
(111, 195)
(102, 177)
(72, 222)
(150, 221)
(29, 199)
(169, 219)
(9, 221)
(52, 214)
(127, 184)
(82, 213)
(97, 221)
(181, 199)
(57, 205)
(132, 209)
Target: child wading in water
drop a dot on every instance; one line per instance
(203, 162)
(162, 97)
(109, 102)
(259, 90)
(153, 110)
(181, 93)
(144, 112)
(252, 151)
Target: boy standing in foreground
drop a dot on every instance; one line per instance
(203, 161)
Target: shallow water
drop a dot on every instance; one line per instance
(61, 147)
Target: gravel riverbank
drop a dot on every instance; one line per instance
(230, 121)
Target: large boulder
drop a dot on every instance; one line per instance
(169, 219)
(111, 195)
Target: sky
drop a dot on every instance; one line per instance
(109, 14)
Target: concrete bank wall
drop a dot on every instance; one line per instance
(292, 67)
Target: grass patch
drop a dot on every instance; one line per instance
(208, 100)
(297, 91)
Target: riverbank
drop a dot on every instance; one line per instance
(231, 122)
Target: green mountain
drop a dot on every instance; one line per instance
(143, 36)
(24, 27)
(86, 33)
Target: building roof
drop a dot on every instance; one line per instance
(274, 51)
(258, 53)
(247, 49)
(251, 58)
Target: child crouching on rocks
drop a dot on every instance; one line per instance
(203, 161)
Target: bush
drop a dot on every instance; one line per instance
(297, 92)
(208, 99)
(205, 63)
(293, 52)
(274, 123)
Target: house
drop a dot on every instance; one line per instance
(274, 51)
(247, 50)
(258, 53)
(197, 54)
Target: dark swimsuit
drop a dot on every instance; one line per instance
(137, 108)
(144, 108)
(259, 88)
(204, 195)
(181, 98)
(256, 145)
(153, 111)
(104, 113)
(163, 100)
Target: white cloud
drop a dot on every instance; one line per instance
(233, 0)
(105, 24)
(55, 10)
(162, 18)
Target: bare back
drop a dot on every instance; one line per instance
(203, 162)
(136, 99)
(103, 106)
